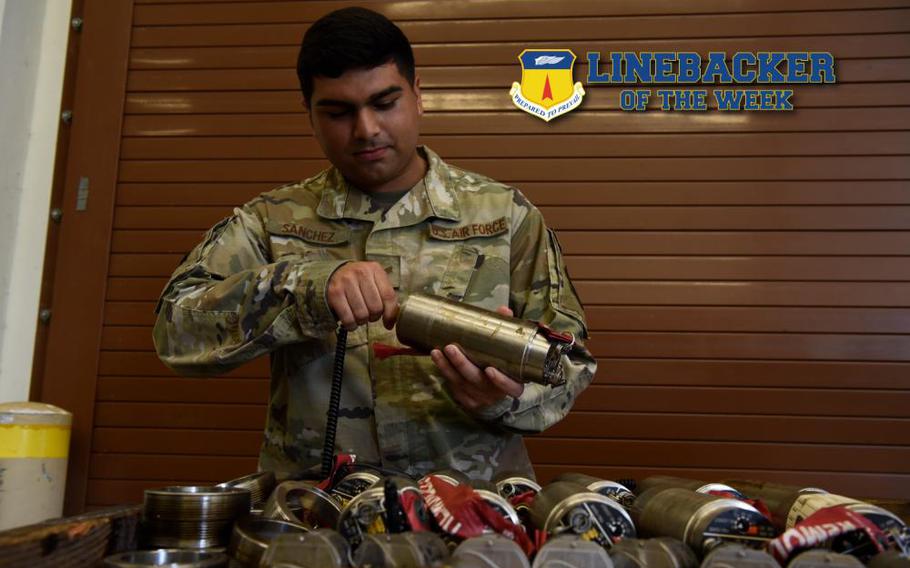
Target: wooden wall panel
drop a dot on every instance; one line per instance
(746, 276)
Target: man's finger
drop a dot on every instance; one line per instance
(371, 297)
(504, 310)
(468, 370)
(339, 305)
(504, 383)
(444, 366)
(358, 306)
(389, 298)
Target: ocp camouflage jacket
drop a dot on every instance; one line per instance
(256, 285)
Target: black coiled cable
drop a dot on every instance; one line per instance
(331, 416)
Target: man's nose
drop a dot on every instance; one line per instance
(367, 126)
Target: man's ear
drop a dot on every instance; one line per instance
(417, 92)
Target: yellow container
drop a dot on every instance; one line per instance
(34, 446)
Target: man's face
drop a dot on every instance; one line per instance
(366, 121)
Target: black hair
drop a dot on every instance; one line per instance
(351, 38)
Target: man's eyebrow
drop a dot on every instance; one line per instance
(373, 98)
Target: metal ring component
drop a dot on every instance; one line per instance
(738, 556)
(571, 550)
(170, 557)
(661, 552)
(259, 484)
(302, 503)
(192, 516)
(488, 339)
(321, 548)
(404, 550)
(252, 536)
(511, 485)
(353, 485)
(564, 507)
(493, 551)
(615, 491)
(701, 521)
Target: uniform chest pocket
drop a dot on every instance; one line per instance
(460, 269)
(477, 269)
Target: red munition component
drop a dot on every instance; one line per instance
(382, 351)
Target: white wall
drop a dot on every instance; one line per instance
(33, 39)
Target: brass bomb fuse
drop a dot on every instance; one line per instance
(521, 349)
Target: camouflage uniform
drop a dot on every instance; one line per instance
(257, 282)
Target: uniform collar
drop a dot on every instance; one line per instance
(434, 196)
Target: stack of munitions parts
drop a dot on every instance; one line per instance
(700, 520)
(192, 516)
(789, 505)
(563, 507)
(365, 518)
(260, 486)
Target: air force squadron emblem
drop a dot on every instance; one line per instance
(546, 88)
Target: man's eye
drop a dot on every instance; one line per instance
(338, 113)
(385, 105)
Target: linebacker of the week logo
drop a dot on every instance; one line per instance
(546, 88)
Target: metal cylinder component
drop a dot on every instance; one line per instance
(510, 485)
(365, 514)
(699, 520)
(169, 557)
(252, 536)
(777, 497)
(353, 485)
(302, 503)
(823, 559)
(685, 483)
(489, 551)
(564, 507)
(514, 346)
(402, 550)
(192, 516)
(616, 491)
(572, 551)
(260, 485)
(738, 556)
(663, 552)
(321, 548)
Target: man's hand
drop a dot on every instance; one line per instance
(474, 388)
(360, 292)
